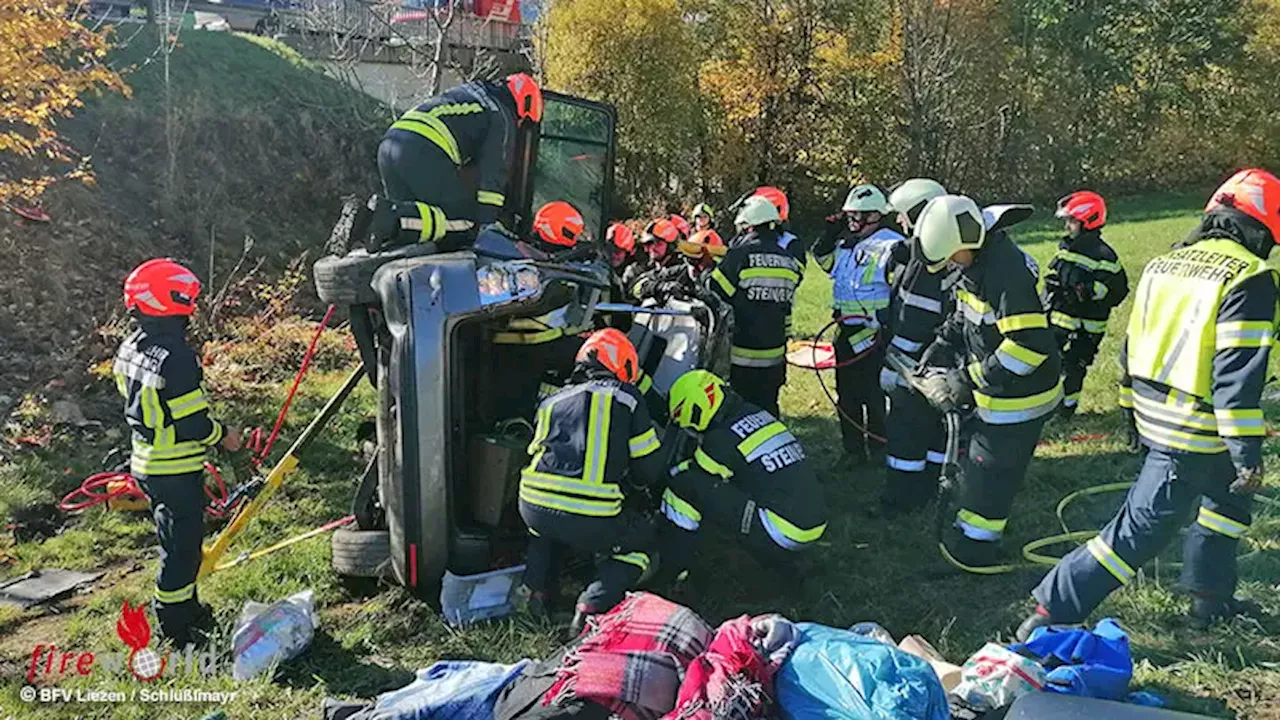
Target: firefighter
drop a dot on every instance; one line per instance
(1084, 283)
(997, 354)
(445, 163)
(660, 261)
(748, 476)
(622, 247)
(594, 447)
(682, 225)
(1194, 363)
(167, 409)
(703, 218)
(918, 307)
(534, 353)
(860, 254)
(758, 278)
(786, 239)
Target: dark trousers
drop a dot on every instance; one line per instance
(622, 546)
(990, 476)
(860, 396)
(177, 505)
(1158, 504)
(414, 168)
(1078, 349)
(914, 457)
(696, 507)
(759, 385)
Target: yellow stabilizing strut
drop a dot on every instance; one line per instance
(213, 554)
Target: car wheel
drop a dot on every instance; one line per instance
(348, 279)
(362, 553)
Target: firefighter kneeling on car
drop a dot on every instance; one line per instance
(167, 409)
(1193, 367)
(594, 448)
(749, 476)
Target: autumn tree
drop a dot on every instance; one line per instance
(49, 61)
(639, 56)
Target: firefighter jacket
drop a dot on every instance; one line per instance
(475, 125)
(1085, 281)
(165, 404)
(1195, 358)
(752, 449)
(759, 279)
(640, 276)
(861, 274)
(590, 440)
(917, 309)
(1010, 352)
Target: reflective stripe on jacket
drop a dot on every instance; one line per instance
(759, 279)
(166, 406)
(1195, 357)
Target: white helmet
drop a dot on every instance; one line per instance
(756, 211)
(866, 198)
(947, 225)
(910, 196)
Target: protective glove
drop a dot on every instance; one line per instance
(938, 354)
(1248, 480)
(947, 390)
(1133, 441)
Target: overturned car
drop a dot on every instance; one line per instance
(452, 419)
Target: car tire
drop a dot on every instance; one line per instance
(348, 279)
(362, 553)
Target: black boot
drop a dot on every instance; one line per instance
(979, 557)
(1205, 611)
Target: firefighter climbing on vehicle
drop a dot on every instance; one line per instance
(918, 307)
(860, 250)
(1085, 281)
(660, 261)
(758, 278)
(1194, 364)
(997, 354)
(445, 163)
(167, 409)
(749, 477)
(532, 353)
(594, 448)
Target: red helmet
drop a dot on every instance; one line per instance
(611, 348)
(681, 224)
(161, 288)
(1086, 206)
(528, 97)
(621, 237)
(559, 223)
(660, 229)
(777, 197)
(1255, 193)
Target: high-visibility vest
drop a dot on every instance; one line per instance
(1173, 329)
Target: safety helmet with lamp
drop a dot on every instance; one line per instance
(777, 197)
(695, 398)
(527, 96)
(757, 211)
(161, 288)
(866, 199)
(614, 352)
(559, 223)
(909, 197)
(1255, 193)
(1086, 207)
(948, 225)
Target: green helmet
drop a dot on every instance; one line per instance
(757, 211)
(866, 198)
(695, 398)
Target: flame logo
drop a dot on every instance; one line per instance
(134, 630)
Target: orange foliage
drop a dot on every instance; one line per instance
(48, 61)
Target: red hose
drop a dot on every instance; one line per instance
(95, 489)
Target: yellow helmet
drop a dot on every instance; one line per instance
(695, 398)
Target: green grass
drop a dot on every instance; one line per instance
(867, 569)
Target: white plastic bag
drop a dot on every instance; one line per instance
(270, 634)
(996, 676)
